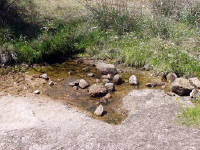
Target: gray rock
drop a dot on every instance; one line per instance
(106, 81)
(195, 82)
(99, 110)
(133, 80)
(44, 76)
(97, 90)
(110, 86)
(117, 79)
(182, 87)
(148, 67)
(51, 83)
(108, 96)
(36, 92)
(108, 76)
(83, 84)
(90, 74)
(171, 77)
(195, 93)
(104, 68)
(74, 83)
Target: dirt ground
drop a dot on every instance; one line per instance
(39, 123)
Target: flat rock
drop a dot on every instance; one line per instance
(133, 80)
(99, 110)
(182, 87)
(90, 74)
(74, 83)
(83, 84)
(97, 90)
(36, 92)
(104, 68)
(195, 82)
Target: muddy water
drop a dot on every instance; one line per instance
(114, 112)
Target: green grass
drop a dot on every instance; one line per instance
(191, 116)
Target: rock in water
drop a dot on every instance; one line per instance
(117, 79)
(108, 76)
(83, 84)
(110, 87)
(90, 75)
(44, 76)
(36, 92)
(99, 110)
(171, 77)
(195, 82)
(182, 87)
(105, 80)
(74, 83)
(51, 83)
(104, 68)
(97, 90)
(133, 80)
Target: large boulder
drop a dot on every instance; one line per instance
(83, 84)
(104, 68)
(182, 87)
(97, 90)
(195, 82)
(133, 80)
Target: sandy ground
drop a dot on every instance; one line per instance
(38, 123)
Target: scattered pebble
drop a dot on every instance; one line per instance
(133, 80)
(117, 79)
(36, 92)
(44, 76)
(99, 110)
(83, 84)
(51, 83)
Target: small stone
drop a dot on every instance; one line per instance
(171, 77)
(70, 73)
(75, 88)
(36, 92)
(74, 83)
(148, 67)
(110, 87)
(108, 96)
(195, 93)
(117, 79)
(105, 80)
(99, 110)
(86, 69)
(44, 76)
(133, 80)
(51, 83)
(83, 84)
(103, 101)
(97, 80)
(90, 75)
(108, 76)
(104, 68)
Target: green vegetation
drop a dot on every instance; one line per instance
(191, 116)
(165, 36)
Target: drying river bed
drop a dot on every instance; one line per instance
(115, 113)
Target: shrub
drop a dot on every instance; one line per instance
(113, 15)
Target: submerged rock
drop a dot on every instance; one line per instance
(51, 83)
(117, 79)
(110, 87)
(133, 80)
(99, 110)
(171, 77)
(44, 76)
(104, 68)
(74, 83)
(83, 84)
(182, 87)
(97, 90)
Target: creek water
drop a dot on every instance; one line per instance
(114, 111)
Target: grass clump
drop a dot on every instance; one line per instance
(191, 116)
